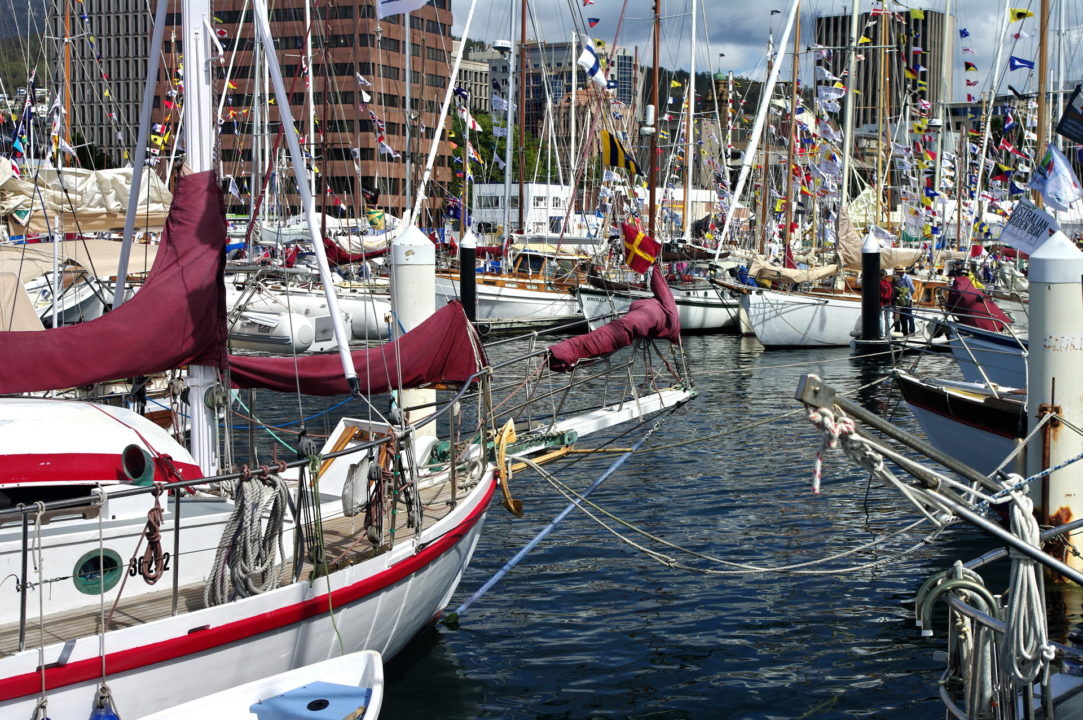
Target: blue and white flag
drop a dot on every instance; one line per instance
(1014, 63)
(387, 8)
(588, 60)
(1054, 179)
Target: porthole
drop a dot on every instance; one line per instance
(97, 572)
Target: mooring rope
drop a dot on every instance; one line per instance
(478, 594)
(738, 568)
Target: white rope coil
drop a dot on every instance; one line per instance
(1027, 651)
(247, 557)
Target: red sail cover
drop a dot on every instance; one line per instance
(177, 318)
(647, 318)
(441, 349)
(337, 256)
(972, 307)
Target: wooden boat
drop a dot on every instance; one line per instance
(977, 424)
(539, 289)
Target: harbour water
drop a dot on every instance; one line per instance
(588, 626)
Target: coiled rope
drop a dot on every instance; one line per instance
(247, 558)
(1027, 651)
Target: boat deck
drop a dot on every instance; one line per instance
(344, 541)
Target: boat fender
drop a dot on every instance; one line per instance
(138, 464)
(354, 490)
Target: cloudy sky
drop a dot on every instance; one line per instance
(739, 29)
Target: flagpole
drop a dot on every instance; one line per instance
(787, 253)
(689, 132)
(757, 128)
(652, 181)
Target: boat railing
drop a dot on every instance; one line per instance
(32, 514)
(975, 681)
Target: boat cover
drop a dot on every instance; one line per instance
(444, 348)
(177, 318)
(654, 317)
(78, 200)
(972, 307)
(336, 255)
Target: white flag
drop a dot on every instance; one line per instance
(471, 123)
(1054, 179)
(387, 8)
(388, 150)
(610, 176)
(362, 81)
(499, 104)
(233, 189)
(499, 131)
(65, 147)
(499, 162)
(588, 60)
(365, 97)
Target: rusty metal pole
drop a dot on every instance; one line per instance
(1054, 384)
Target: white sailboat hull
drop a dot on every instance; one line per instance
(791, 320)
(705, 309)
(378, 604)
(1002, 358)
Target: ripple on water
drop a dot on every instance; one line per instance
(590, 627)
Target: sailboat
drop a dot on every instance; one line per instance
(148, 576)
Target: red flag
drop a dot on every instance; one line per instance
(640, 249)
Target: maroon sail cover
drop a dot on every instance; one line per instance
(647, 318)
(177, 318)
(972, 307)
(337, 256)
(441, 349)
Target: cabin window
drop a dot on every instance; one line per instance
(97, 572)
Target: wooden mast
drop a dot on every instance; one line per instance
(786, 252)
(1043, 88)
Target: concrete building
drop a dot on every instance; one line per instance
(880, 77)
(107, 59)
(348, 41)
(474, 78)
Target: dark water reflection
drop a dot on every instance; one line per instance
(587, 627)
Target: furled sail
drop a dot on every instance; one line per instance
(177, 318)
(647, 318)
(444, 348)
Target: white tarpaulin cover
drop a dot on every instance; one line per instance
(78, 200)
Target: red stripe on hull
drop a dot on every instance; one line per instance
(176, 647)
(77, 468)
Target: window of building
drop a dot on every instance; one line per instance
(540, 202)
(389, 72)
(390, 44)
(488, 201)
